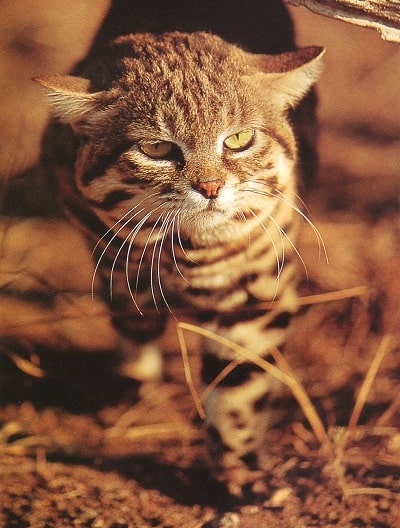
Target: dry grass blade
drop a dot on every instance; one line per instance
(339, 295)
(386, 417)
(382, 492)
(24, 365)
(220, 376)
(243, 354)
(198, 524)
(139, 432)
(188, 373)
(302, 398)
(368, 381)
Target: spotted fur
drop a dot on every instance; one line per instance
(203, 228)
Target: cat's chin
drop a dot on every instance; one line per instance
(201, 219)
(207, 228)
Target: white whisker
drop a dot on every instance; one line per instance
(178, 231)
(280, 264)
(155, 224)
(321, 243)
(122, 218)
(242, 216)
(115, 235)
(115, 262)
(285, 235)
(166, 225)
(109, 244)
(132, 237)
(282, 232)
(280, 196)
(302, 202)
(173, 247)
(279, 261)
(145, 247)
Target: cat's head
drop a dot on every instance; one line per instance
(184, 125)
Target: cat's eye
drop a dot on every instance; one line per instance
(240, 141)
(156, 149)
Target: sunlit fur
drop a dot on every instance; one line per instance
(160, 243)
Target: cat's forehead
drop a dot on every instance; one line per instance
(198, 46)
(180, 59)
(180, 82)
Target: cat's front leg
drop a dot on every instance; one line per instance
(139, 347)
(142, 362)
(240, 409)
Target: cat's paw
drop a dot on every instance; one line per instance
(142, 363)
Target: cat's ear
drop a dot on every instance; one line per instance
(69, 97)
(289, 76)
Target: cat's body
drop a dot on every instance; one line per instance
(179, 163)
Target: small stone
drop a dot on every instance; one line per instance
(384, 504)
(229, 520)
(279, 497)
(250, 509)
(393, 445)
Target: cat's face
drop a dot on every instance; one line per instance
(185, 129)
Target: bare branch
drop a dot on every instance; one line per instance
(382, 15)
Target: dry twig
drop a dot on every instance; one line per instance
(368, 381)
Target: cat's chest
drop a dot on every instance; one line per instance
(179, 268)
(167, 273)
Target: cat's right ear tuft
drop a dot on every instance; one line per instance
(69, 97)
(290, 75)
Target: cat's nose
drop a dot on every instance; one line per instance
(209, 189)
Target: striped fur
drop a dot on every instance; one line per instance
(204, 227)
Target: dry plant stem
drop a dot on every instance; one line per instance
(24, 365)
(305, 402)
(138, 432)
(339, 295)
(382, 492)
(368, 381)
(217, 380)
(389, 412)
(199, 524)
(24, 446)
(188, 373)
(296, 388)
